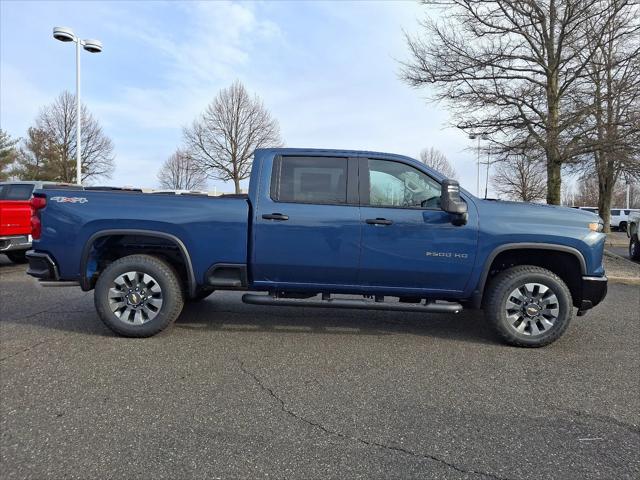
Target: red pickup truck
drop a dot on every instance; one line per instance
(15, 216)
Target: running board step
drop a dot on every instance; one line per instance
(444, 307)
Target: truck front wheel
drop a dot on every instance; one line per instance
(528, 306)
(138, 296)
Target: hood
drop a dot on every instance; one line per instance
(537, 213)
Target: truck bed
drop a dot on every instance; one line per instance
(212, 229)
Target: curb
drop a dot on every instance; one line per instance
(615, 255)
(624, 280)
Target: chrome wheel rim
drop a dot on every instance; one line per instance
(532, 309)
(135, 298)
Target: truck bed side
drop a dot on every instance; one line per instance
(212, 230)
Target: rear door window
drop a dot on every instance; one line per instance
(318, 180)
(20, 191)
(615, 213)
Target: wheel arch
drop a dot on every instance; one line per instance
(86, 281)
(533, 254)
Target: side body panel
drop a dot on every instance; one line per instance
(422, 250)
(317, 245)
(515, 225)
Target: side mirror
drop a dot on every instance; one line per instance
(451, 202)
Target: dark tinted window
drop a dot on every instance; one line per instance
(320, 180)
(3, 189)
(18, 192)
(627, 212)
(615, 213)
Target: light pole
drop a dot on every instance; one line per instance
(473, 136)
(65, 34)
(486, 185)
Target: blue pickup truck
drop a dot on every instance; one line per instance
(326, 228)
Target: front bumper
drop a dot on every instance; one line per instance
(42, 266)
(594, 289)
(15, 242)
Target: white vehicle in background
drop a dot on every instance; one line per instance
(620, 218)
(633, 230)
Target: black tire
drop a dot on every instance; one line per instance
(499, 292)
(622, 227)
(168, 282)
(634, 247)
(18, 256)
(201, 295)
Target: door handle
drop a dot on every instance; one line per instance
(378, 221)
(275, 216)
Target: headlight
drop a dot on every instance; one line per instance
(596, 226)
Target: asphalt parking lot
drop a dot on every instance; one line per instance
(240, 391)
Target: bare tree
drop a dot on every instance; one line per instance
(434, 158)
(7, 154)
(507, 68)
(49, 152)
(180, 172)
(585, 193)
(612, 90)
(520, 178)
(222, 140)
(620, 194)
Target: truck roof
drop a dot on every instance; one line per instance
(333, 152)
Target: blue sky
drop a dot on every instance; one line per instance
(328, 72)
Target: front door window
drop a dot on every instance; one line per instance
(395, 184)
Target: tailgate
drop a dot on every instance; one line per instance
(15, 217)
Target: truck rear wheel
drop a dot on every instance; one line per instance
(528, 306)
(138, 296)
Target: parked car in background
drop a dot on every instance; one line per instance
(317, 224)
(633, 229)
(15, 216)
(620, 218)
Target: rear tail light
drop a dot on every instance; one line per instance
(37, 204)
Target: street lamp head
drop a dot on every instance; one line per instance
(92, 46)
(472, 137)
(64, 34)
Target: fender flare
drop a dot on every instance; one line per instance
(86, 250)
(479, 291)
